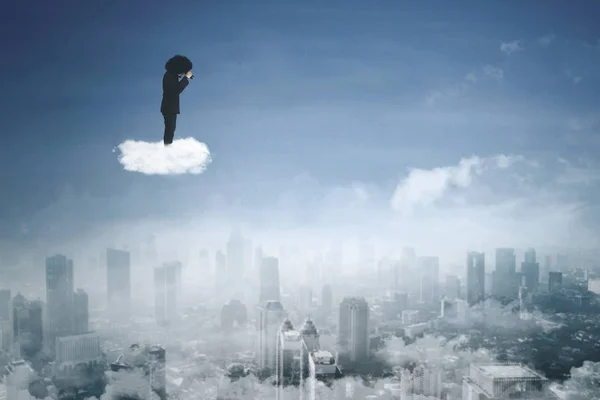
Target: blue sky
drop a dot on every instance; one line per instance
(299, 102)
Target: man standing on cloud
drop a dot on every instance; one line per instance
(172, 88)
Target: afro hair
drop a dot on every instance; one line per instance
(178, 65)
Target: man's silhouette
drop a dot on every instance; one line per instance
(172, 88)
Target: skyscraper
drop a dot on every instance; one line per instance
(27, 326)
(531, 271)
(81, 312)
(475, 277)
(353, 335)
(505, 281)
(220, 270)
(554, 281)
(118, 282)
(269, 280)
(59, 298)
(235, 255)
(167, 291)
(270, 316)
(326, 299)
(429, 279)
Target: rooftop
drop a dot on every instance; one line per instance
(323, 357)
(507, 371)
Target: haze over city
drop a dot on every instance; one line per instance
(380, 187)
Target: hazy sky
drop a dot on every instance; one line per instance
(314, 112)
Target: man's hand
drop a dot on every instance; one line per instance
(189, 74)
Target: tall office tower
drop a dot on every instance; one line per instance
(220, 270)
(310, 335)
(27, 326)
(258, 258)
(81, 312)
(326, 299)
(429, 277)
(505, 281)
(555, 279)
(423, 380)
(270, 316)
(167, 292)
(475, 277)
(204, 263)
(5, 296)
(408, 278)
(452, 287)
(353, 335)
(235, 255)
(305, 295)
(530, 269)
(77, 350)
(503, 381)
(118, 283)
(290, 359)
(323, 371)
(269, 280)
(59, 299)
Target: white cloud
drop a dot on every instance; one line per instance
(426, 186)
(546, 40)
(184, 156)
(494, 72)
(511, 47)
(471, 77)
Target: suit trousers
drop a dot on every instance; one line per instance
(170, 125)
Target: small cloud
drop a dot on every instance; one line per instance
(184, 156)
(493, 72)
(511, 47)
(471, 78)
(546, 40)
(574, 78)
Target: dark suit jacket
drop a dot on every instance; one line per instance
(172, 87)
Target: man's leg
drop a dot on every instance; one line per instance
(170, 125)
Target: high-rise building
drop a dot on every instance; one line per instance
(270, 316)
(323, 371)
(118, 283)
(326, 299)
(235, 255)
(269, 280)
(305, 298)
(555, 280)
(429, 270)
(530, 269)
(59, 298)
(475, 278)
(167, 292)
(81, 312)
(76, 350)
(204, 262)
(422, 380)
(290, 359)
(27, 326)
(505, 280)
(503, 381)
(452, 287)
(310, 335)
(353, 335)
